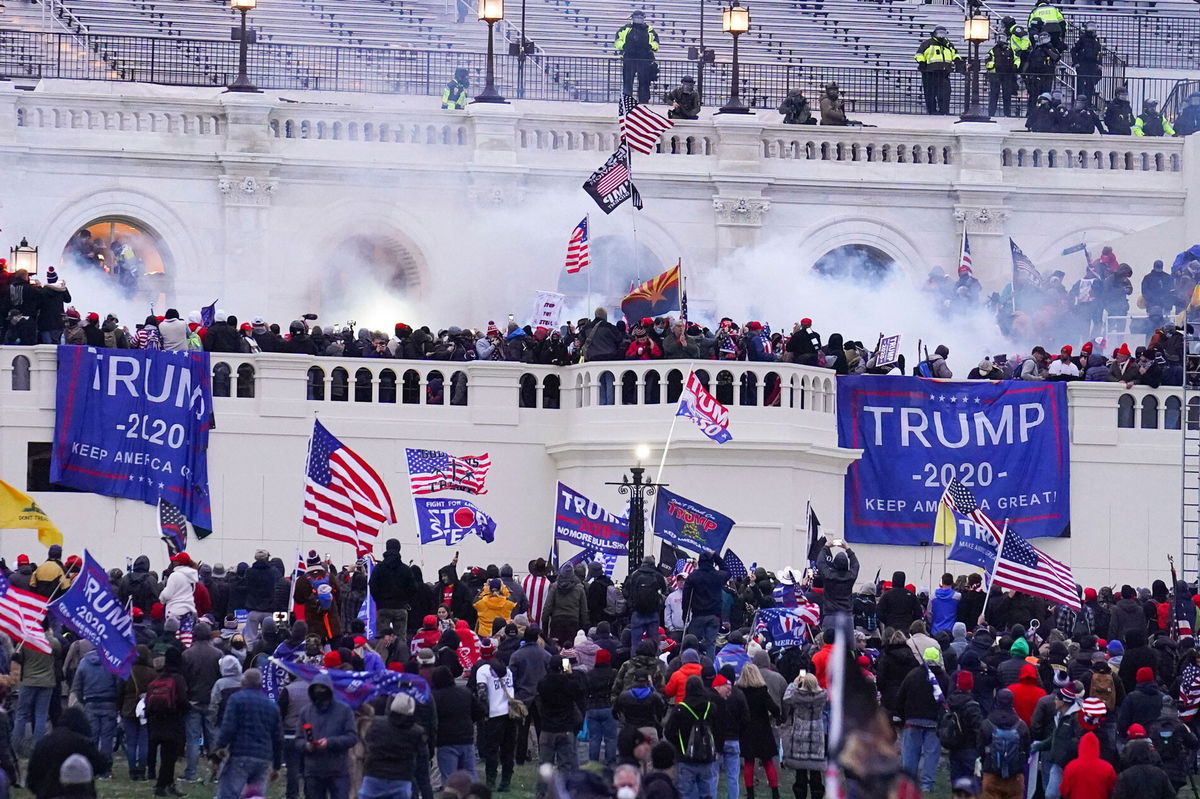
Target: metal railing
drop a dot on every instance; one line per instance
(1146, 40)
(203, 62)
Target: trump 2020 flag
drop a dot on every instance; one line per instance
(451, 520)
(585, 523)
(702, 408)
(91, 610)
(688, 524)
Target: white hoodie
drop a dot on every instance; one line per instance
(177, 595)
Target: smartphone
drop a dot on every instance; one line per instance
(566, 664)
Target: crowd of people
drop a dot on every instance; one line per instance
(666, 685)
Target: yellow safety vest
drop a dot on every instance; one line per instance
(934, 52)
(1047, 14)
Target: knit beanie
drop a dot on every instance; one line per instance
(1145, 674)
(964, 681)
(1019, 647)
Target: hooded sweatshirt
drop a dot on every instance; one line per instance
(567, 603)
(943, 609)
(333, 720)
(1088, 776)
(176, 596)
(1027, 690)
(959, 643)
(226, 685)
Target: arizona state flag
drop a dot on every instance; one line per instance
(654, 297)
(19, 511)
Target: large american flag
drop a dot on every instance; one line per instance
(640, 126)
(344, 498)
(965, 261)
(1023, 266)
(21, 616)
(578, 254)
(735, 566)
(1023, 567)
(958, 497)
(430, 470)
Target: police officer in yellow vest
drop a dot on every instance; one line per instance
(936, 58)
(1046, 17)
(637, 42)
(454, 96)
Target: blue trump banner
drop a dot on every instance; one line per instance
(580, 521)
(1005, 441)
(91, 610)
(135, 424)
(974, 544)
(787, 627)
(451, 520)
(689, 525)
(356, 687)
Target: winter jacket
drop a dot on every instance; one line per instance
(489, 608)
(898, 608)
(640, 707)
(1135, 658)
(201, 668)
(678, 727)
(70, 736)
(757, 736)
(138, 586)
(674, 690)
(838, 583)
(893, 666)
(1127, 614)
(392, 745)
(559, 699)
(644, 591)
(1143, 705)
(943, 610)
(93, 683)
(252, 727)
(970, 716)
(915, 702)
(599, 686)
(177, 595)
(333, 722)
(528, 666)
(1142, 778)
(805, 727)
(392, 582)
(597, 596)
(625, 675)
(1087, 776)
(567, 603)
(1027, 690)
(1004, 718)
(174, 334)
(702, 592)
(457, 711)
(603, 342)
(224, 688)
(259, 582)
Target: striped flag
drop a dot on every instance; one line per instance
(1023, 567)
(537, 590)
(612, 184)
(965, 261)
(344, 498)
(684, 566)
(958, 497)
(578, 254)
(640, 127)
(186, 623)
(172, 526)
(21, 615)
(1023, 268)
(430, 471)
(1189, 693)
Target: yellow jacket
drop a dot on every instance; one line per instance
(936, 54)
(489, 608)
(47, 578)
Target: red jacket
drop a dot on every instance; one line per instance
(675, 685)
(1027, 690)
(1087, 776)
(820, 663)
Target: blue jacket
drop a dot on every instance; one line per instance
(252, 727)
(702, 591)
(335, 723)
(734, 654)
(943, 610)
(93, 683)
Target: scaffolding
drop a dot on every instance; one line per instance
(1190, 494)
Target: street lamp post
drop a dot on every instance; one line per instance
(23, 257)
(244, 37)
(491, 12)
(976, 30)
(637, 489)
(735, 20)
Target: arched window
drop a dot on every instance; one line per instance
(1125, 411)
(859, 261)
(339, 385)
(550, 391)
(1149, 412)
(410, 391)
(1171, 413)
(653, 386)
(773, 388)
(387, 387)
(435, 388)
(704, 378)
(749, 393)
(363, 390)
(220, 379)
(582, 397)
(20, 373)
(674, 385)
(458, 388)
(725, 387)
(316, 383)
(607, 385)
(527, 391)
(395, 266)
(125, 251)
(245, 381)
(629, 388)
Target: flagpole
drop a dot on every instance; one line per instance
(671, 434)
(992, 574)
(637, 261)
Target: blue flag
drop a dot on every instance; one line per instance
(91, 610)
(208, 314)
(735, 566)
(135, 424)
(974, 544)
(787, 626)
(356, 687)
(580, 521)
(368, 612)
(451, 520)
(689, 525)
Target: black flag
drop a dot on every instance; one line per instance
(610, 185)
(815, 539)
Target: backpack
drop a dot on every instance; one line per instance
(1102, 688)
(110, 339)
(924, 369)
(224, 700)
(644, 593)
(701, 746)
(950, 729)
(614, 602)
(162, 697)
(1083, 623)
(1006, 759)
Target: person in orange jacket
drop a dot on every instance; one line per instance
(689, 665)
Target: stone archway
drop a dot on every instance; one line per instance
(856, 262)
(124, 250)
(372, 269)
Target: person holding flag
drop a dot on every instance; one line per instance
(837, 565)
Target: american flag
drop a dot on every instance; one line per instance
(684, 566)
(965, 262)
(734, 565)
(958, 497)
(578, 255)
(172, 525)
(1022, 266)
(537, 589)
(640, 126)
(186, 623)
(614, 178)
(21, 616)
(1023, 567)
(344, 498)
(1189, 693)
(430, 471)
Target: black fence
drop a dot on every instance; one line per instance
(26, 55)
(1147, 40)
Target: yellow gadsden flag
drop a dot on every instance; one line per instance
(945, 526)
(19, 511)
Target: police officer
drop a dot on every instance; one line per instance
(1049, 19)
(935, 58)
(1150, 122)
(1040, 119)
(455, 94)
(1039, 70)
(1188, 121)
(637, 42)
(683, 100)
(1118, 114)
(1083, 119)
(1002, 65)
(1085, 55)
